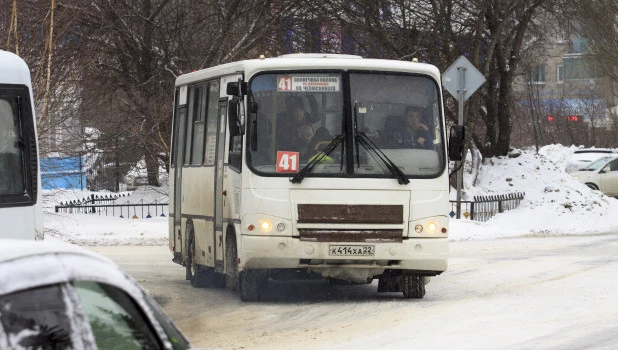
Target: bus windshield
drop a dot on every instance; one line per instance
(391, 118)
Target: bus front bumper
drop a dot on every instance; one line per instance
(424, 255)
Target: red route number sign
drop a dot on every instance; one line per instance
(287, 162)
(284, 83)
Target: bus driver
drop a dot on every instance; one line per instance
(416, 132)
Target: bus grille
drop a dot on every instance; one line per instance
(349, 214)
(368, 236)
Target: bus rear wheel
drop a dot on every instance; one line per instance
(231, 261)
(197, 275)
(413, 287)
(200, 276)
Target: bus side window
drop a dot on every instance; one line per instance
(199, 118)
(212, 118)
(191, 115)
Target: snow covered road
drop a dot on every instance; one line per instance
(537, 292)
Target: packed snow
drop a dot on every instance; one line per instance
(554, 204)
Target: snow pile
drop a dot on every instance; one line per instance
(554, 202)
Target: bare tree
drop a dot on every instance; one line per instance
(492, 34)
(134, 49)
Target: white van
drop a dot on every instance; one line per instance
(20, 192)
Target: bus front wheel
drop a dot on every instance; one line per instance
(413, 286)
(251, 284)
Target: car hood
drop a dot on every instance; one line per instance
(583, 174)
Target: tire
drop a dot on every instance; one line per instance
(200, 276)
(231, 261)
(413, 287)
(251, 284)
(592, 186)
(187, 246)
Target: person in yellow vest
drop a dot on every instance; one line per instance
(321, 139)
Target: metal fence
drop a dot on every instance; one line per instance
(483, 208)
(105, 205)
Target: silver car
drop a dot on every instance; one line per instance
(601, 174)
(583, 157)
(60, 296)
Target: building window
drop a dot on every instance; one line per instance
(560, 73)
(536, 75)
(577, 67)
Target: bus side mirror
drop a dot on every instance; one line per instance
(232, 88)
(235, 125)
(456, 142)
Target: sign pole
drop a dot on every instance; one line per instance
(460, 104)
(454, 81)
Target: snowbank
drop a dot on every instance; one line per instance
(554, 202)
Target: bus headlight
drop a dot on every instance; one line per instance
(266, 225)
(432, 227)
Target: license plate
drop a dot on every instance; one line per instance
(351, 250)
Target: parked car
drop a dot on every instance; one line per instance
(583, 157)
(601, 174)
(60, 296)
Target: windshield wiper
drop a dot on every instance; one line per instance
(298, 178)
(362, 139)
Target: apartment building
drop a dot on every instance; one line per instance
(564, 99)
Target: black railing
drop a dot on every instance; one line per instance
(105, 205)
(483, 208)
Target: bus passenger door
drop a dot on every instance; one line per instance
(177, 161)
(219, 194)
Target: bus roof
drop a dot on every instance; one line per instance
(310, 61)
(13, 70)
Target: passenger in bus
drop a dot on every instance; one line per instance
(289, 122)
(320, 140)
(305, 135)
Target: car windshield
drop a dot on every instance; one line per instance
(597, 164)
(392, 121)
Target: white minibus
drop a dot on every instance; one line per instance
(311, 166)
